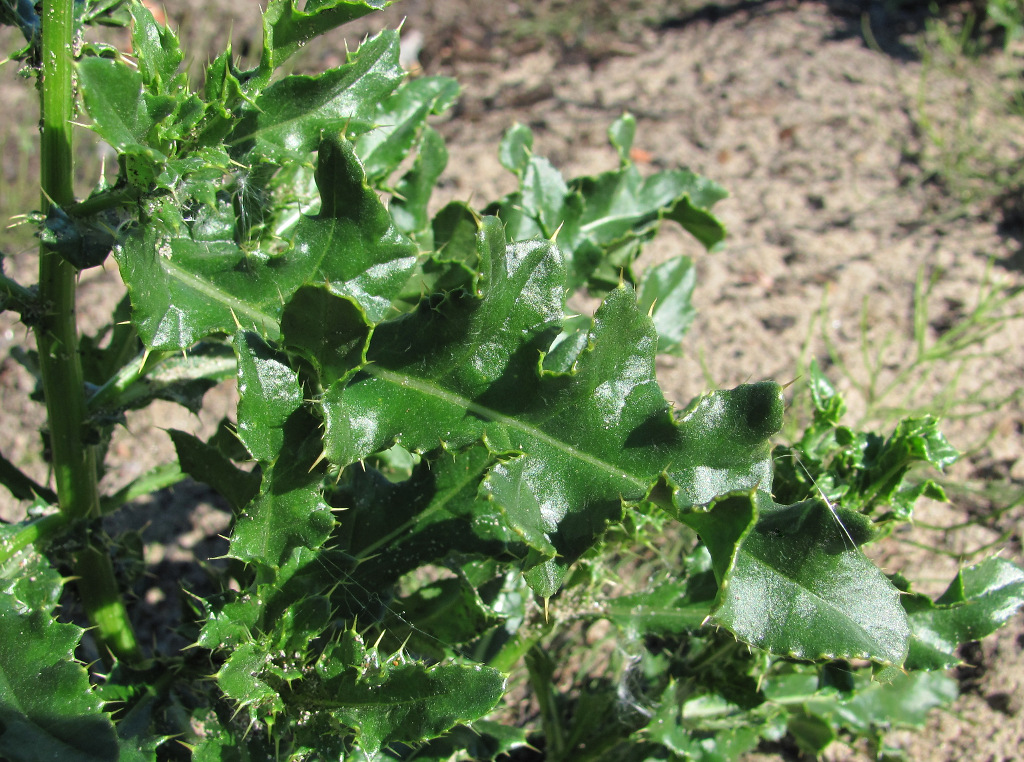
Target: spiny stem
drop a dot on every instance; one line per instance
(73, 458)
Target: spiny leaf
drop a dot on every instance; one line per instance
(413, 192)
(980, 600)
(673, 607)
(243, 681)
(189, 280)
(286, 29)
(288, 119)
(793, 582)
(157, 52)
(404, 702)
(398, 121)
(867, 471)
(666, 290)
(677, 724)
(390, 529)
(269, 393)
(205, 463)
(580, 444)
(602, 220)
(47, 707)
(113, 96)
(289, 512)
(183, 379)
(864, 703)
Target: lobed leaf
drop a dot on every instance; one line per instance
(113, 95)
(156, 51)
(672, 607)
(578, 445)
(665, 293)
(289, 512)
(601, 221)
(412, 193)
(190, 280)
(398, 122)
(388, 700)
(286, 29)
(289, 119)
(793, 582)
(979, 600)
(699, 728)
(47, 707)
(206, 463)
(865, 470)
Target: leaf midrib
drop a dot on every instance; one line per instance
(435, 506)
(830, 605)
(233, 303)
(317, 108)
(417, 384)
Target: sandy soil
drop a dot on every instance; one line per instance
(836, 212)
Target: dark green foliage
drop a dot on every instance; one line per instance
(435, 474)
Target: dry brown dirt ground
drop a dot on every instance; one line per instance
(826, 124)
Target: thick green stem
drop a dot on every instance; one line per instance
(73, 459)
(74, 463)
(541, 671)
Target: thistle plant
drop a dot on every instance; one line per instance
(433, 472)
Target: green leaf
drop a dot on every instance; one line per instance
(542, 194)
(221, 741)
(289, 514)
(863, 469)
(286, 29)
(183, 379)
(453, 265)
(398, 121)
(206, 463)
(269, 393)
(793, 582)
(484, 740)
(394, 528)
(905, 702)
(516, 148)
(980, 600)
(114, 98)
(189, 280)
(621, 135)
(672, 607)
(450, 610)
(243, 681)
(412, 193)
(328, 331)
(579, 445)
(616, 212)
(290, 118)
(83, 243)
(396, 701)
(156, 51)
(688, 727)
(47, 707)
(21, 485)
(665, 293)
(811, 733)
(562, 354)
(353, 240)
(602, 221)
